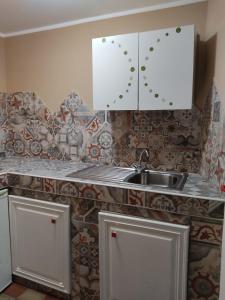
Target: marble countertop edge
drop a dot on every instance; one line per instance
(195, 186)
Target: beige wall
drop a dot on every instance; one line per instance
(2, 66)
(215, 27)
(53, 63)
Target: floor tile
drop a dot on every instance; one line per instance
(14, 290)
(5, 297)
(31, 295)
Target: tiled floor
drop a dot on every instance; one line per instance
(19, 292)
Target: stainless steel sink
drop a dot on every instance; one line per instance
(170, 180)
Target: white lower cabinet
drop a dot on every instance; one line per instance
(40, 239)
(142, 259)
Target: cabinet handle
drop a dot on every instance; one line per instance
(53, 221)
(114, 235)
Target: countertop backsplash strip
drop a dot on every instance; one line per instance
(29, 129)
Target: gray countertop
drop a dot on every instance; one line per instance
(195, 186)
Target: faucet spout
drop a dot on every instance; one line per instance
(138, 167)
(143, 152)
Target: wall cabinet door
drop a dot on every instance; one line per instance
(115, 72)
(142, 259)
(40, 241)
(166, 61)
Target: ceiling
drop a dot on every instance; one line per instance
(17, 16)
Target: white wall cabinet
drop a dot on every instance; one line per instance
(40, 241)
(146, 71)
(142, 259)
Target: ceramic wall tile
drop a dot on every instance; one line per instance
(182, 205)
(210, 232)
(75, 133)
(213, 158)
(183, 140)
(175, 139)
(204, 272)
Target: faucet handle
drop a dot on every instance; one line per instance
(135, 166)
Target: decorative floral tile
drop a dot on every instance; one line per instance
(49, 185)
(67, 188)
(136, 198)
(204, 272)
(29, 129)
(205, 231)
(180, 205)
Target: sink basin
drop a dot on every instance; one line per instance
(170, 180)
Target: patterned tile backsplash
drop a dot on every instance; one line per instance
(183, 140)
(213, 154)
(28, 128)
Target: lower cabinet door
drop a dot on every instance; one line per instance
(142, 259)
(40, 241)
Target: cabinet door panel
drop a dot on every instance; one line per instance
(115, 72)
(166, 61)
(142, 259)
(40, 241)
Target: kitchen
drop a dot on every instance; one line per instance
(111, 140)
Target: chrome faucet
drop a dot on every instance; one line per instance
(138, 167)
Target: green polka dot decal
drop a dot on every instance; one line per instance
(178, 30)
(143, 68)
(121, 96)
(156, 95)
(167, 34)
(129, 84)
(125, 52)
(151, 49)
(146, 84)
(104, 40)
(132, 69)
